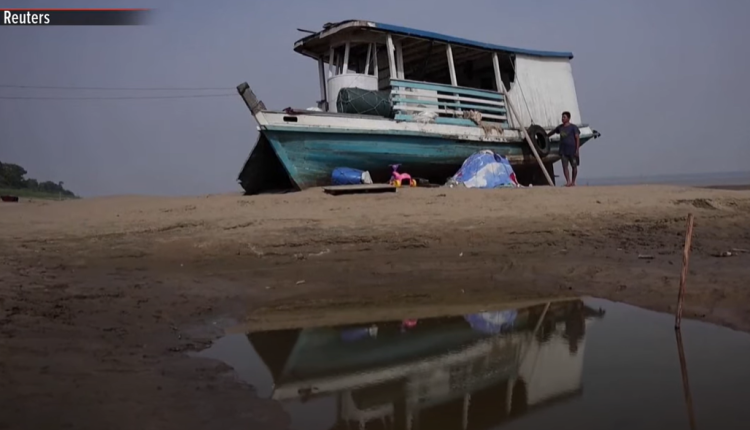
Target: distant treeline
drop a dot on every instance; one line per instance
(14, 176)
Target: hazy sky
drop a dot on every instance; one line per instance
(664, 81)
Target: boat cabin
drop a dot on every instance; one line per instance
(369, 68)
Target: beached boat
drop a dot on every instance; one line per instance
(427, 101)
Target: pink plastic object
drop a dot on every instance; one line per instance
(396, 176)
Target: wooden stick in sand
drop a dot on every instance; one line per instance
(683, 276)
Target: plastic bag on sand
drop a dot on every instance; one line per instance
(485, 169)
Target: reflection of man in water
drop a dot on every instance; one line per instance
(575, 327)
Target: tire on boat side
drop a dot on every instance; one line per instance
(539, 138)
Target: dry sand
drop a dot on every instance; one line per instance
(101, 298)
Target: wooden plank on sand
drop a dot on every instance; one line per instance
(357, 189)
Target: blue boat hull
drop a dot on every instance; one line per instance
(290, 159)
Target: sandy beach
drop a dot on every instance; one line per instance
(102, 298)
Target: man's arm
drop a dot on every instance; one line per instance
(555, 131)
(578, 140)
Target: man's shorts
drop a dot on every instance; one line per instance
(569, 159)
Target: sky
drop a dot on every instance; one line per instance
(664, 81)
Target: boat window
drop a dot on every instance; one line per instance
(358, 59)
(361, 59)
(426, 61)
(474, 69)
(507, 69)
(337, 63)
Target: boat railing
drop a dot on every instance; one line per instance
(452, 104)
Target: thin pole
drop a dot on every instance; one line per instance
(399, 59)
(533, 336)
(367, 61)
(685, 382)
(541, 318)
(501, 88)
(331, 62)
(322, 78)
(391, 57)
(345, 67)
(452, 72)
(683, 275)
(451, 66)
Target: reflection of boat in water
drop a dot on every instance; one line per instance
(450, 372)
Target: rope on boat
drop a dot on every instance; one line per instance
(476, 118)
(473, 115)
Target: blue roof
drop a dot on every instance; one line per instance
(429, 35)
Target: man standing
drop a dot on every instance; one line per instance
(569, 144)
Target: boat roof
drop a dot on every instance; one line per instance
(333, 28)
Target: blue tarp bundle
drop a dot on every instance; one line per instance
(485, 169)
(349, 176)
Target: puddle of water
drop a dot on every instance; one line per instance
(579, 364)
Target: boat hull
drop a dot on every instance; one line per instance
(304, 158)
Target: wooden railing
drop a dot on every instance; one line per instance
(449, 103)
